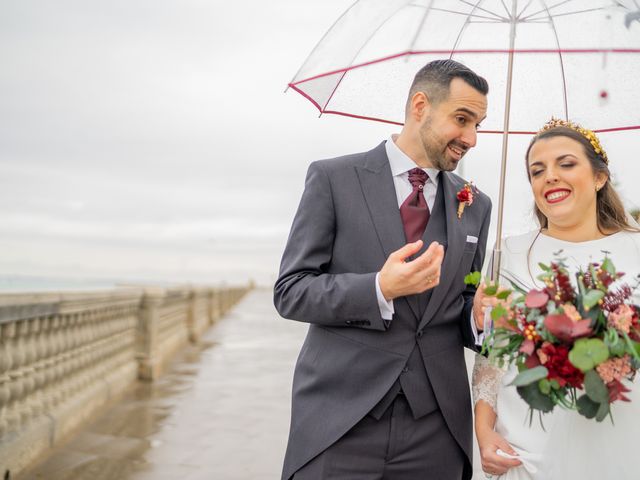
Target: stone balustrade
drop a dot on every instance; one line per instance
(64, 356)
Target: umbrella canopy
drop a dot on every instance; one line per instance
(574, 59)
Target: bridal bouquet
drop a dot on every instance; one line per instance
(574, 344)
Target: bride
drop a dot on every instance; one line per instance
(580, 214)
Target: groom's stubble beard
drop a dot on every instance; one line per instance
(434, 148)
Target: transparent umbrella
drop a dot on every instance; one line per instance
(573, 59)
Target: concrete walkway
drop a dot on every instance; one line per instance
(220, 413)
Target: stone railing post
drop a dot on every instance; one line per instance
(214, 306)
(149, 320)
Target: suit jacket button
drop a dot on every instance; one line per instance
(405, 369)
(419, 334)
(348, 322)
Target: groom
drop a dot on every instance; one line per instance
(375, 263)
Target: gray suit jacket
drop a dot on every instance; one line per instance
(347, 224)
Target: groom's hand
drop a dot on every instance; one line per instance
(400, 277)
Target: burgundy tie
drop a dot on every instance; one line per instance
(414, 210)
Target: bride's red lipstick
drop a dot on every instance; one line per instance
(553, 196)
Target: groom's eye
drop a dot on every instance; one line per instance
(461, 120)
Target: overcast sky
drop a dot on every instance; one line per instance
(151, 139)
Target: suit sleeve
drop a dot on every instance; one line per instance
(305, 291)
(470, 291)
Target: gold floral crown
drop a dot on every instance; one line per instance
(588, 134)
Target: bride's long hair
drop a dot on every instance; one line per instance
(610, 212)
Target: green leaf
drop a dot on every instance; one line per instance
(607, 266)
(473, 279)
(545, 386)
(587, 407)
(595, 387)
(591, 298)
(544, 267)
(632, 347)
(498, 312)
(491, 290)
(504, 294)
(535, 398)
(603, 411)
(618, 349)
(587, 353)
(529, 376)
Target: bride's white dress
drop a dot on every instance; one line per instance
(569, 447)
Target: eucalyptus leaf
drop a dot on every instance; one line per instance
(587, 407)
(618, 349)
(603, 411)
(591, 298)
(607, 266)
(587, 353)
(529, 376)
(535, 398)
(595, 387)
(544, 267)
(545, 386)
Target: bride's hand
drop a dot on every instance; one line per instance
(480, 302)
(492, 463)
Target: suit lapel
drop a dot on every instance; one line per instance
(379, 193)
(456, 239)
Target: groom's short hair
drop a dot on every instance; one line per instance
(434, 78)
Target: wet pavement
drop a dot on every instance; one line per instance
(221, 412)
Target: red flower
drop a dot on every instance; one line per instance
(559, 366)
(465, 195)
(617, 391)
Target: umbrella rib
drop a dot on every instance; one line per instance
(545, 10)
(419, 29)
(483, 9)
(468, 15)
(464, 26)
(505, 8)
(564, 80)
(320, 41)
(524, 9)
(565, 14)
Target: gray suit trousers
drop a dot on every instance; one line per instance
(395, 447)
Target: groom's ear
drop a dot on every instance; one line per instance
(419, 106)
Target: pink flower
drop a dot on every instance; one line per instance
(571, 312)
(621, 319)
(615, 368)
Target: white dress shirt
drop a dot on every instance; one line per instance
(400, 164)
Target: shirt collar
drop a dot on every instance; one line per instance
(401, 163)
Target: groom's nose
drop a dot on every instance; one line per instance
(469, 138)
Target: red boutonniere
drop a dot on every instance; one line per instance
(465, 197)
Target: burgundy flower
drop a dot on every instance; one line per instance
(559, 366)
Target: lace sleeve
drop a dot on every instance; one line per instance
(486, 381)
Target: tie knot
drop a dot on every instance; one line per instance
(417, 178)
